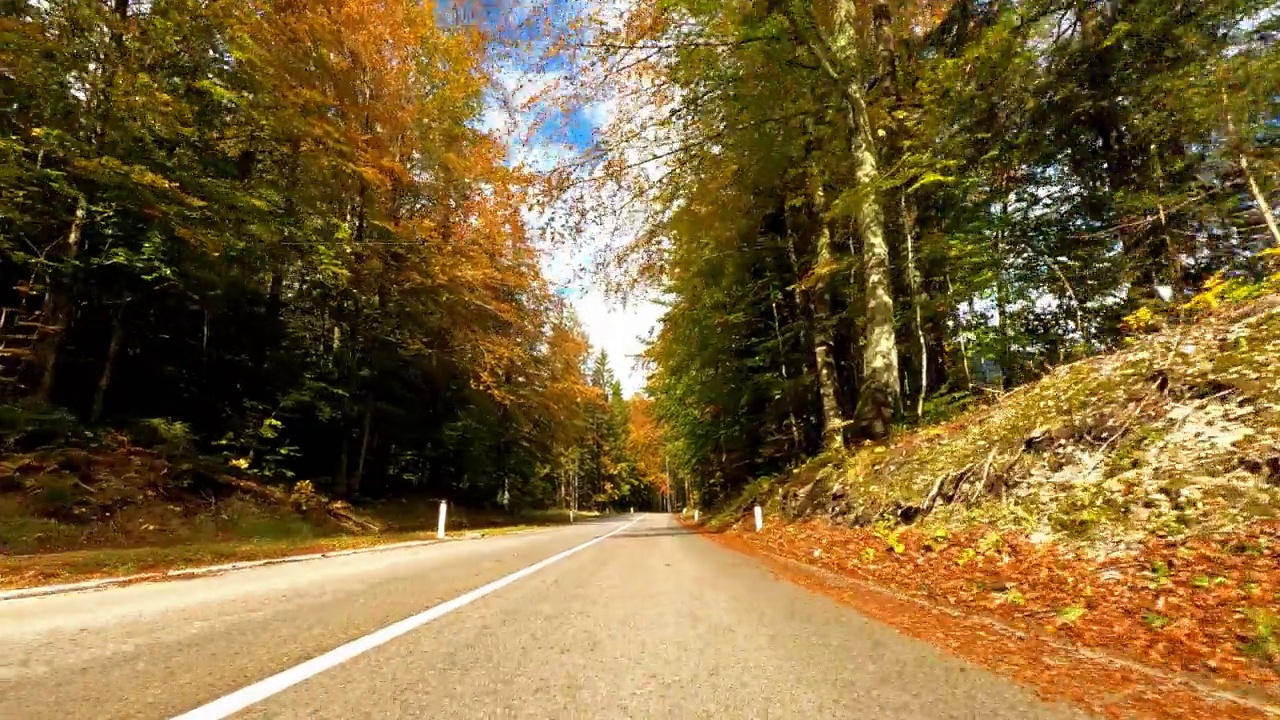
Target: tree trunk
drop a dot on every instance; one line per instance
(56, 313)
(791, 410)
(964, 350)
(842, 61)
(354, 486)
(915, 283)
(1075, 303)
(800, 299)
(340, 478)
(833, 420)
(1002, 297)
(880, 392)
(1263, 206)
(104, 380)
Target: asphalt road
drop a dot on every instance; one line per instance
(651, 622)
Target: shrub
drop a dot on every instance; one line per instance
(168, 437)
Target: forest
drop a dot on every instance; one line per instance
(272, 233)
(275, 232)
(867, 215)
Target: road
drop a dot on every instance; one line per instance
(649, 622)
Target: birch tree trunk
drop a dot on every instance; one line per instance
(841, 60)
(833, 420)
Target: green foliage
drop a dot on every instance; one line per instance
(1155, 620)
(1069, 176)
(1160, 574)
(1070, 615)
(168, 437)
(1013, 597)
(277, 228)
(1264, 634)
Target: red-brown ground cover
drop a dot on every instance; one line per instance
(1165, 630)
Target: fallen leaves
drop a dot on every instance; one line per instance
(1205, 607)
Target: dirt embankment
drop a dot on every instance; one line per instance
(82, 506)
(1176, 435)
(118, 495)
(1126, 503)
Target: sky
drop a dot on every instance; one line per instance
(619, 328)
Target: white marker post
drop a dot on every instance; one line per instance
(695, 515)
(759, 518)
(444, 508)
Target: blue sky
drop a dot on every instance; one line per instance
(617, 328)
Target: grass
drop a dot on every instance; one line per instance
(1262, 642)
(19, 571)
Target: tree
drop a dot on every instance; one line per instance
(1002, 183)
(276, 224)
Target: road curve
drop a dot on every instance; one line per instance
(652, 622)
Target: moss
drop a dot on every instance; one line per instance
(1074, 412)
(1257, 509)
(1174, 485)
(1129, 451)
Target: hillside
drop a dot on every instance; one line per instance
(117, 494)
(1176, 434)
(77, 504)
(1126, 503)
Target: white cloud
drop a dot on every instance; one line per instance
(619, 328)
(621, 331)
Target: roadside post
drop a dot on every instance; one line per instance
(695, 514)
(759, 518)
(444, 508)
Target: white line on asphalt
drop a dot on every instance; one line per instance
(239, 700)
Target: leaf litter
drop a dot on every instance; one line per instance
(1170, 629)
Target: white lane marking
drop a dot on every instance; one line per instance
(239, 700)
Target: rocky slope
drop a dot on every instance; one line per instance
(1177, 434)
(1128, 504)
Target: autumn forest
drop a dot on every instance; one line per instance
(279, 233)
(271, 230)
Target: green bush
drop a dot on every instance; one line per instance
(168, 437)
(23, 535)
(29, 425)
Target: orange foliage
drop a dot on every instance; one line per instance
(645, 443)
(378, 96)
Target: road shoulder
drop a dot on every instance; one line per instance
(1104, 685)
